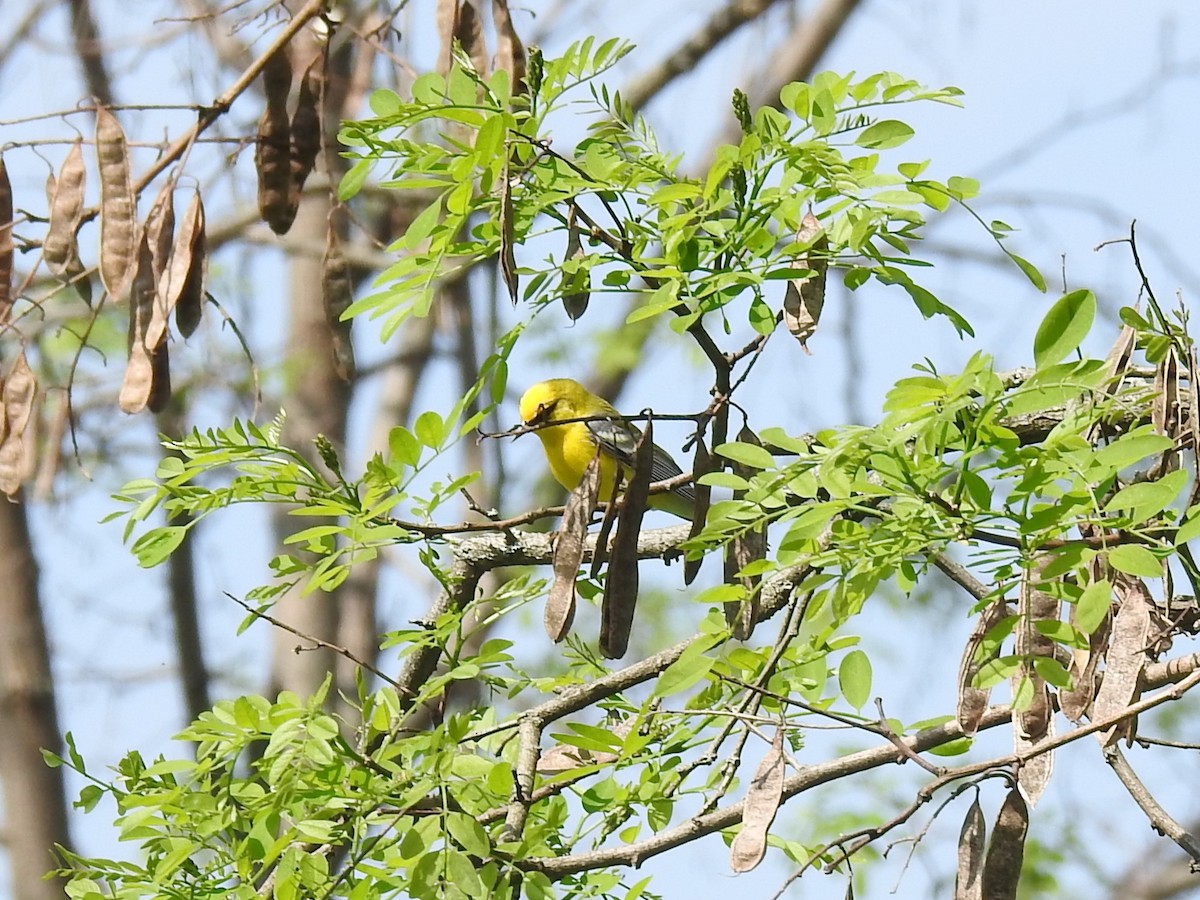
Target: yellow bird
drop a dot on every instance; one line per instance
(571, 447)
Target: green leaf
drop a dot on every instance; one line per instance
(692, 666)
(1064, 327)
(354, 179)
(1062, 633)
(1131, 447)
(854, 678)
(405, 447)
(1134, 559)
(1092, 606)
(157, 544)
(1052, 671)
(1190, 528)
(1030, 270)
(748, 454)
(762, 319)
(885, 135)
(1148, 498)
(468, 834)
(430, 429)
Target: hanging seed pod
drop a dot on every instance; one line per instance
(742, 615)
(160, 229)
(759, 808)
(1006, 850)
(508, 259)
(972, 842)
(621, 581)
(468, 31)
(277, 201)
(337, 291)
(577, 288)
(702, 464)
(60, 248)
(510, 52)
(446, 17)
(18, 396)
(973, 701)
(160, 378)
(306, 124)
(118, 207)
(805, 297)
(6, 244)
(191, 250)
(568, 552)
(138, 382)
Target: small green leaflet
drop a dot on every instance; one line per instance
(854, 678)
(1064, 327)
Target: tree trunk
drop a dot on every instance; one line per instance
(35, 807)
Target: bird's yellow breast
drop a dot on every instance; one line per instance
(569, 450)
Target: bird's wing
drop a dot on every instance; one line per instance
(616, 437)
(619, 438)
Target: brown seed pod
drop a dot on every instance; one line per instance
(568, 552)
(805, 297)
(510, 52)
(306, 124)
(191, 249)
(6, 243)
(277, 201)
(18, 396)
(758, 809)
(468, 31)
(160, 228)
(138, 382)
(118, 207)
(702, 464)
(621, 580)
(60, 248)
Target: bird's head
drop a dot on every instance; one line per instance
(550, 400)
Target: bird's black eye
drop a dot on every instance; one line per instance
(543, 412)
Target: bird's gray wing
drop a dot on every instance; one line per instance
(620, 438)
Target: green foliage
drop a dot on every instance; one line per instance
(1016, 474)
(699, 244)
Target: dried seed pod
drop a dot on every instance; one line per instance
(306, 123)
(446, 17)
(118, 207)
(759, 808)
(18, 395)
(577, 288)
(972, 842)
(191, 251)
(60, 248)
(702, 464)
(1126, 657)
(277, 198)
(160, 378)
(1034, 723)
(160, 229)
(973, 701)
(508, 259)
(742, 615)
(468, 31)
(337, 294)
(568, 552)
(621, 581)
(6, 243)
(805, 297)
(510, 52)
(138, 383)
(1006, 850)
